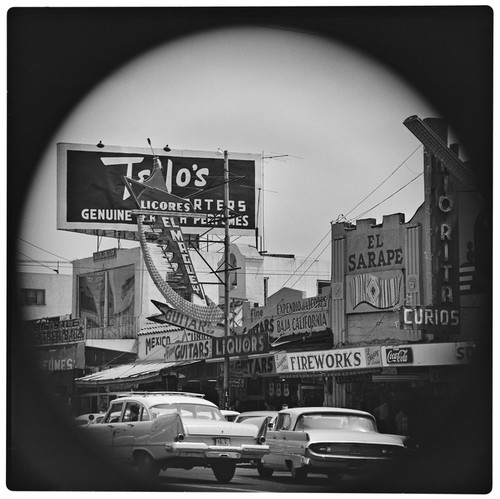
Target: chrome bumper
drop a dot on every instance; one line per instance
(200, 450)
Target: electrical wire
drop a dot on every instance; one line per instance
(39, 263)
(384, 200)
(306, 259)
(200, 273)
(384, 181)
(313, 262)
(46, 251)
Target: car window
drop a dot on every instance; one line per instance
(283, 422)
(190, 411)
(326, 421)
(114, 413)
(144, 416)
(132, 412)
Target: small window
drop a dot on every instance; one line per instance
(145, 415)
(132, 412)
(32, 296)
(323, 286)
(114, 413)
(283, 422)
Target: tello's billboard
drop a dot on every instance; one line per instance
(93, 198)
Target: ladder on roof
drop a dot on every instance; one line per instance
(132, 392)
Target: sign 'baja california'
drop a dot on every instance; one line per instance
(92, 195)
(297, 318)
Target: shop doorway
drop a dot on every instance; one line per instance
(311, 395)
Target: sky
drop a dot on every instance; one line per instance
(333, 115)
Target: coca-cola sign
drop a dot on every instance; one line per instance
(399, 355)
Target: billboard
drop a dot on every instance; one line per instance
(93, 198)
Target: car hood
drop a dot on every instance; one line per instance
(364, 437)
(219, 428)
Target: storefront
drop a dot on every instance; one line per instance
(58, 348)
(416, 378)
(149, 371)
(98, 389)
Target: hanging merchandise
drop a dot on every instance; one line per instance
(286, 390)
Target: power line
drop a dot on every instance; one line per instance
(364, 199)
(306, 259)
(54, 270)
(384, 181)
(388, 197)
(46, 251)
(313, 262)
(201, 273)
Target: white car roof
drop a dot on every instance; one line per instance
(155, 398)
(259, 413)
(295, 411)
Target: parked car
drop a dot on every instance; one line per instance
(327, 440)
(246, 416)
(156, 430)
(229, 415)
(90, 418)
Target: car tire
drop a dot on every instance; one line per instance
(224, 472)
(148, 467)
(263, 471)
(299, 474)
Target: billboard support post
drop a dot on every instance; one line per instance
(226, 279)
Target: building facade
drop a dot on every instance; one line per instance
(44, 295)
(410, 304)
(124, 336)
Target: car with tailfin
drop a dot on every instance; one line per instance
(160, 430)
(328, 440)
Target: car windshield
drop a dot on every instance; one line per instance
(325, 421)
(192, 411)
(244, 418)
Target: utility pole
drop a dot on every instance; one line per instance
(226, 279)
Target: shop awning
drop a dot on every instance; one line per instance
(243, 357)
(129, 346)
(129, 373)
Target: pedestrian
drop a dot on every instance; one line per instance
(401, 422)
(383, 413)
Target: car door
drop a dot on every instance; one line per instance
(125, 430)
(276, 439)
(105, 430)
(294, 445)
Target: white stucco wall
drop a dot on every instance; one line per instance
(57, 294)
(252, 269)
